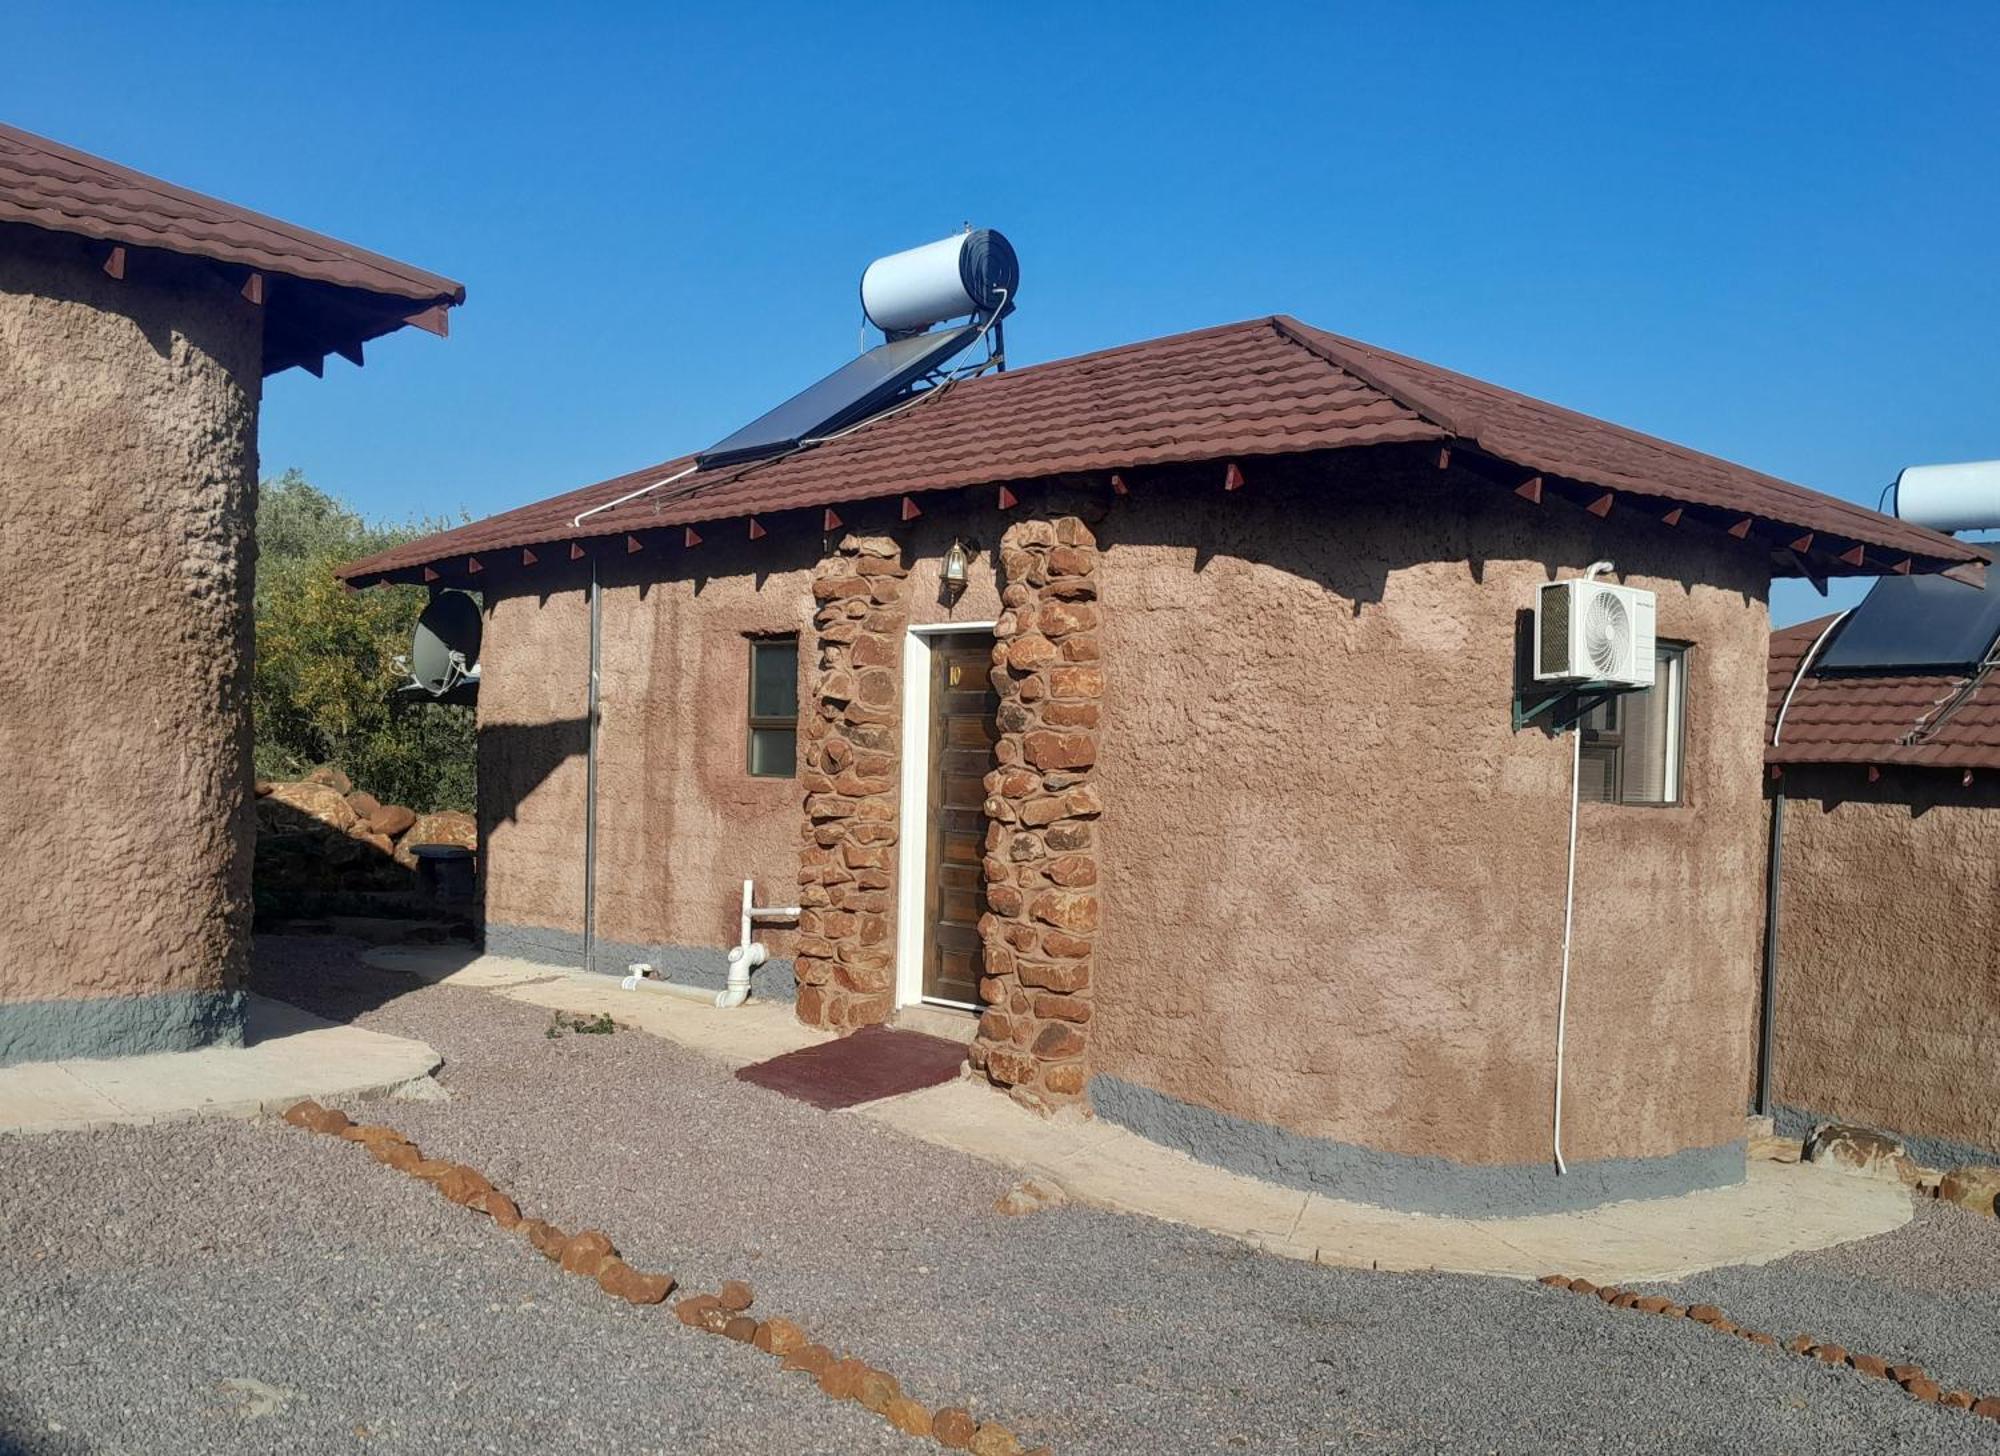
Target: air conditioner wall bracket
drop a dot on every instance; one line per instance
(1565, 707)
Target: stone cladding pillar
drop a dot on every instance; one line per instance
(1042, 809)
(851, 730)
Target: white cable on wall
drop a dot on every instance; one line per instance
(1595, 569)
(1569, 920)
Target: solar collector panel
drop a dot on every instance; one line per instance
(859, 389)
(1917, 623)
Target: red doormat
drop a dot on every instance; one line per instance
(871, 1063)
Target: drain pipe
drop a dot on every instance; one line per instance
(750, 954)
(1767, 1008)
(1591, 573)
(744, 957)
(1767, 1011)
(590, 777)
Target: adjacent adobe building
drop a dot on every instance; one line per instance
(1884, 784)
(1204, 791)
(137, 323)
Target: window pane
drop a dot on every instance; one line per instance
(774, 679)
(774, 752)
(1632, 744)
(1646, 745)
(1597, 774)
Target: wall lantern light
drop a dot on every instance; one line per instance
(957, 561)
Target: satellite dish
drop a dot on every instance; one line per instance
(444, 650)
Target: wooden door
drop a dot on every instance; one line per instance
(962, 735)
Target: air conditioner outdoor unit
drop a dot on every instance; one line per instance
(1593, 631)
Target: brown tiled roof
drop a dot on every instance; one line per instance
(1561, 442)
(1268, 386)
(1869, 719)
(47, 185)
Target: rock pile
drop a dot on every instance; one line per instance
(591, 1255)
(1863, 1152)
(1911, 1378)
(320, 833)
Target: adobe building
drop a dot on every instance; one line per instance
(1884, 786)
(137, 323)
(1214, 792)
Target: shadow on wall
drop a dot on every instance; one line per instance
(515, 759)
(1916, 790)
(1360, 516)
(164, 301)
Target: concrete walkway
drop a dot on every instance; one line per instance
(287, 1054)
(1778, 1210)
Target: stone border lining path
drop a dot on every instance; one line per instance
(592, 1255)
(1910, 1377)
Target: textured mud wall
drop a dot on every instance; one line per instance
(681, 823)
(1333, 877)
(1889, 954)
(534, 670)
(128, 458)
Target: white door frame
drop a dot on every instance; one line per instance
(914, 808)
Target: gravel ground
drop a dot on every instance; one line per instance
(1928, 1294)
(249, 1287)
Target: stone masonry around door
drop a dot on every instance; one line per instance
(1042, 808)
(850, 756)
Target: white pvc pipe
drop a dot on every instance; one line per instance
(749, 954)
(1569, 920)
(632, 495)
(744, 957)
(639, 981)
(1595, 569)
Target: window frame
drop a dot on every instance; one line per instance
(1613, 739)
(755, 722)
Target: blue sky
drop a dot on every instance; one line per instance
(1765, 231)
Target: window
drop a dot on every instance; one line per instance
(1632, 743)
(774, 707)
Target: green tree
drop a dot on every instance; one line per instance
(326, 658)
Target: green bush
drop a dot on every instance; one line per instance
(325, 658)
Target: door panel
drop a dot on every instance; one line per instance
(962, 706)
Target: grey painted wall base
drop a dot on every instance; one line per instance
(1932, 1152)
(1411, 1183)
(119, 1026)
(691, 965)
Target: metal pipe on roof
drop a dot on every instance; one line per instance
(631, 495)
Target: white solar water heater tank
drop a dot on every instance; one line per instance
(1951, 497)
(967, 273)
